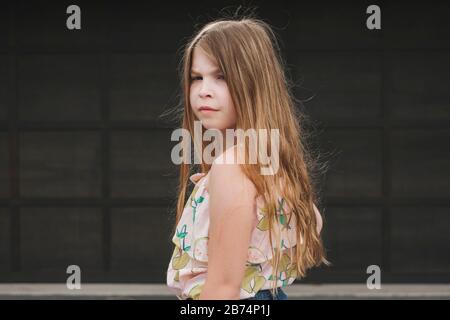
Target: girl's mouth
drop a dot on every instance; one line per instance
(206, 109)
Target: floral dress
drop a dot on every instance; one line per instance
(186, 273)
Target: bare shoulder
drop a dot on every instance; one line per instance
(228, 179)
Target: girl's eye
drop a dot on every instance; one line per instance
(199, 78)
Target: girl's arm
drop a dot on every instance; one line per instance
(319, 219)
(232, 217)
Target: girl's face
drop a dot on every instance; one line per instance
(208, 88)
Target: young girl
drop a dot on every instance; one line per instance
(242, 234)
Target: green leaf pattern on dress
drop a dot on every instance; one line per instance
(253, 279)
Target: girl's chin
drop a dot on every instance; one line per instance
(210, 125)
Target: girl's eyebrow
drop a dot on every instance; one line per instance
(216, 70)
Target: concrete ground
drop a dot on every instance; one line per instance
(161, 292)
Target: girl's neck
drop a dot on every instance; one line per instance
(224, 143)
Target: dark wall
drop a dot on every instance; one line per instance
(85, 170)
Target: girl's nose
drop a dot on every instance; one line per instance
(205, 90)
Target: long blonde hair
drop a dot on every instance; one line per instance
(247, 52)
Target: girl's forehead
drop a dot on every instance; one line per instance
(201, 60)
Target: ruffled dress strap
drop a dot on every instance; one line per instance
(196, 177)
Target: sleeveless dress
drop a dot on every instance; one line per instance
(186, 273)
